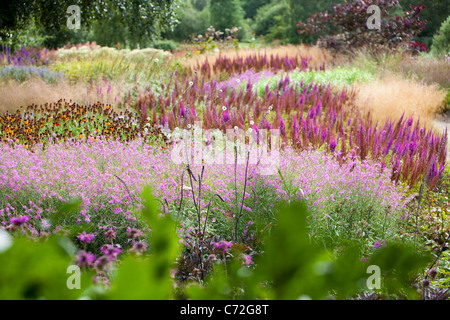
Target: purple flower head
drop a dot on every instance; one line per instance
(85, 259)
(86, 237)
(376, 245)
(19, 220)
(295, 128)
(409, 122)
(323, 134)
(182, 111)
(110, 234)
(103, 262)
(333, 145)
(139, 247)
(247, 259)
(134, 233)
(224, 245)
(225, 116)
(110, 250)
(282, 128)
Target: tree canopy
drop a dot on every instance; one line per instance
(142, 18)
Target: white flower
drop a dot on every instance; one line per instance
(224, 108)
(189, 126)
(250, 130)
(270, 108)
(237, 80)
(235, 128)
(191, 83)
(156, 60)
(252, 122)
(5, 240)
(148, 118)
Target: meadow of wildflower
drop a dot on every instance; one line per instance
(94, 169)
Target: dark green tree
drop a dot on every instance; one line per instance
(226, 14)
(144, 20)
(192, 22)
(200, 4)
(251, 7)
(277, 19)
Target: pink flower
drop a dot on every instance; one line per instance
(19, 220)
(247, 259)
(223, 245)
(85, 259)
(86, 237)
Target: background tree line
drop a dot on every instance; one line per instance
(142, 23)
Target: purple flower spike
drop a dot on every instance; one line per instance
(225, 116)
(333, 145)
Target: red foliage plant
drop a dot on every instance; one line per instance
(345, 27)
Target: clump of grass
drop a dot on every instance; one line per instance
(430, 70)
(36, 91)
(393, 95)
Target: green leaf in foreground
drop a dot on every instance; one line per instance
(149, 277)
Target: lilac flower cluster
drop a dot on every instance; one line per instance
(22, 73)
(240, 81)
(89, 170)
(86, 237)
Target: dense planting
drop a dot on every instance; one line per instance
(80, 170)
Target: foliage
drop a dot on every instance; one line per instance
(336, 77)
(86, 64)
(226, 14)
(290, 267)
(345, 27)
(251, 7)
(266, 17)
(166, 45)
(192, 22)
(435, 13)
(143, 20)
(216, 40)
(441, 43)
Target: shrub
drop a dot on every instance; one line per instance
(441, 43)
(166, 45)
(345, 27)
(266, 17)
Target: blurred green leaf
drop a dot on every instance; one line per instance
(37, 270)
